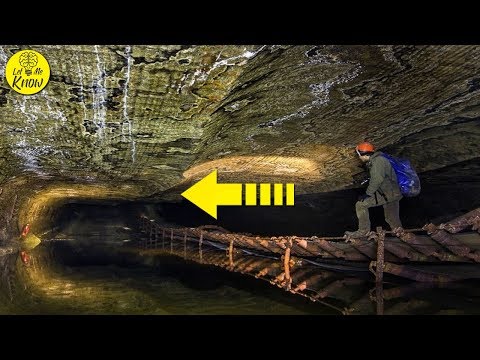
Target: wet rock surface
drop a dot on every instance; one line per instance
(146, 121)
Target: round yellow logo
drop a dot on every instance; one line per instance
(27, 72)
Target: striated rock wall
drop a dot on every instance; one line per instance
(156, 118)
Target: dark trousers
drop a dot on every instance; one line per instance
(391, 210)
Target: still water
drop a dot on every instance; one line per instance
(89, 269)
(69, 279)
(176, 287)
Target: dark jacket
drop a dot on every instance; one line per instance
(383, 179)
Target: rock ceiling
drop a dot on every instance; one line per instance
(160, 117)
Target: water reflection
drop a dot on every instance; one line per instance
(68, 277)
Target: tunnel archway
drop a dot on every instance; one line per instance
(122, 131)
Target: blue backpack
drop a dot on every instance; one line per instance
(407, 177)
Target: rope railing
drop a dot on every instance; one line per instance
(409, 247)
(437, 245)
(384, 254)
(307, 278)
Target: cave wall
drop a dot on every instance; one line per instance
(145, 122)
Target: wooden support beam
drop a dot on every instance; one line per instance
(185, 244)
(286, 264)
(380, 238)
(379, 298)
(163, 239)
(230, 253)
(200, 242)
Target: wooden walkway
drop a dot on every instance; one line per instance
(425, 254)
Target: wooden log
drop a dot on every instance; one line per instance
(447, 240)
(462, 222)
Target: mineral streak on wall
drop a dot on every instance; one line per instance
(146, 121)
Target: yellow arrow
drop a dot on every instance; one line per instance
(207, 194)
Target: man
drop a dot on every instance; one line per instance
(382, 190)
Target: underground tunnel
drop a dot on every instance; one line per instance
(118, 133)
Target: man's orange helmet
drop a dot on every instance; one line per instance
(365, 147)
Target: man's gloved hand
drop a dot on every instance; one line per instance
(363, 197)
